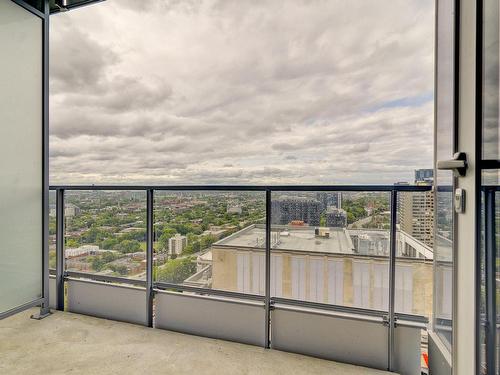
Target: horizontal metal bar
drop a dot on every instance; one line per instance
(214, 292)
(336, 314)
(30, 8)
(18, 309)
(283, 188)
(411, 318)
(238, 301)
(105, 283)
(489, 164)
(52, 271)
(327, 307)
(410, 324)
(109, 279)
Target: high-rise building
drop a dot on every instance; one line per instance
(424, 175)
(416, 214)
(286, 209)
(336, 217)
(329, 199)
(176, 244)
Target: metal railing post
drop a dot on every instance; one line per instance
(149, 256)
(392, 280)
(60, 261)
(490, 258)
(268, 269)
(45, 305)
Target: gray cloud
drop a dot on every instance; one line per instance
(241, 92)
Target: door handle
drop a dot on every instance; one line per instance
(458, 164)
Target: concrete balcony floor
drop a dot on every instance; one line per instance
(66, 343)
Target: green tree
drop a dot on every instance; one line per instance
(109, 243)
(176, 270)
(121, 269)
(128, 246)
(97, 263)
(72, 243)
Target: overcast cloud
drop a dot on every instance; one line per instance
(252, 92)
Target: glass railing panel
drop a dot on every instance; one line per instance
(331, 247)
(52, 229)
(414, 259)
(210, 240)
(106, 233)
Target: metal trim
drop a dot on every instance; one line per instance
(29, 8)
(149, 257)
(103, 278)
(268, 271)
(327, 307)
(21, 308)
(392, 281)
(102, 282)
(226, 299)
(45, 308)
(331, 313)
(60, 256)
(481, 165)
(75, 6)
(490, 269)
(361, 188)
(205, 291)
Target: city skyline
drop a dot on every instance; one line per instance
(210, 92)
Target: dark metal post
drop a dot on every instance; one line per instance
(392, 279)
(45, 308)
(60, 261)
(491, 319)
(268, 269)
(149, 256)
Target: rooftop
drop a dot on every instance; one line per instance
(293, 238)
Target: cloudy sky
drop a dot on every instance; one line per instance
(242, 92)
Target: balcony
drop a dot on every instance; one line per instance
(266, 278)
(275, 273)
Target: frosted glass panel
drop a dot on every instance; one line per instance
(20, 156)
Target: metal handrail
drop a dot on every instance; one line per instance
(275, 188)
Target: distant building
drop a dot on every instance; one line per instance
(234, 209)
(424, 175)
(336, 217)
(176, 244)
(329, 199)
(416, 215)
(287, 209)
(70, 210)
